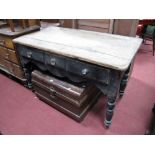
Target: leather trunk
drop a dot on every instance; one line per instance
(72, 100)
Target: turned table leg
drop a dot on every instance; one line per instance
(28, 77)
(123, 85)
(111, 101)
(124, 82)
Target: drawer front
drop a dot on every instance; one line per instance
(2, 62)
(8, 66)
(55, 61)
(17, 71)
(33, 54)
(12, 56)
(6, 42)
(8, 55)
(3, 51)
(88, 71)
(13, 69)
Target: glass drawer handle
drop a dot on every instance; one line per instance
(84, 71)
(53, 62)
(29, 54)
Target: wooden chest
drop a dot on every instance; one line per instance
(70, 99)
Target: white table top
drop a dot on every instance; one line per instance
(108, 50)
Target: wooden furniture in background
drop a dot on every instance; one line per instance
(98, 25)
(87, 57)
(67, 23)
(9, 61)
(126, 27)
(13, 23)
(49, 22)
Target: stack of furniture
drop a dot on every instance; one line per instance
(9, 61)
(73, 100)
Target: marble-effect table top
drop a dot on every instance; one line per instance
(103, 49)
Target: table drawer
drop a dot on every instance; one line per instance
(55, 61)
(9, 55)
(6, 42)
(88, 71)
(33, 54)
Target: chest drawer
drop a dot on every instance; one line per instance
(1, 61)
(88, 71)
(13, 69)
(33, 54)
(8, 54)
(6, 42)
(17, 71)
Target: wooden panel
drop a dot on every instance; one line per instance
(93, 29)
(13, 69)
(126, 27)
(8, 66)
(1, 61)
(6, 42)
(17, 71)
(106, 21)
(2, 51)
(68, 23)
(12, 56)
(32, 22)
(50, 20)
(8, 55)
(94, 24)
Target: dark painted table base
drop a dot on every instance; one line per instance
(111, 82)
